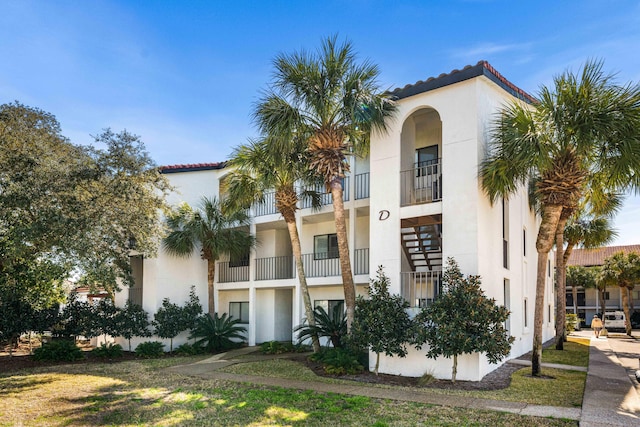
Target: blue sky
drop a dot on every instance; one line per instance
(185, 75)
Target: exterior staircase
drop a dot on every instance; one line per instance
(422, 242)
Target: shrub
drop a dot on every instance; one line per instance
(108, 351)
(339, 361)
(217, 333)
(150, 349)
(572, 320)
(58, 350)
(276, 347)
(189, 350)
(332, 326)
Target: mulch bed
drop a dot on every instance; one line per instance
(496, 380)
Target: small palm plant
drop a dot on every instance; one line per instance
(332, 326)
(216, 333)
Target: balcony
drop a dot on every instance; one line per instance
(361, 261)
(421, 184)
(275, 268)
(420, 288)
(362, 186)
(232, 272)
(268, 207)
(327, 198)
(135, 296)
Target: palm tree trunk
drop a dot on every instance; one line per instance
(302, 278)
(561, 285)
(343, 251)
(625, 308)
(544, 243)
(603, 306)
(211, 274)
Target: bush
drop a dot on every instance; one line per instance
(108, 351)
(217, 333)
(58, 350)
(339, 361)
(150, 349)
(332, 326)
(189, 350)
(571, 322)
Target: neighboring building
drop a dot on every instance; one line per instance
(588, 301)
(413, 203)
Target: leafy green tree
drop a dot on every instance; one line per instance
(332, 326)
(78, 318)
(191, 310)
(622, 270)
(105, 319)
(132, 321)
(585, 126)
(213, 231)
(260, 169)
(462, 320)
(382, 322)
(216, 333)
(332, 103)
(588, 231)
(75, 206)
(169, 321)
(578, 275)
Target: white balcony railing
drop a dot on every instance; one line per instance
(420, 288)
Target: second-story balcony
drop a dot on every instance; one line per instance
(283, 267)
(421, 184)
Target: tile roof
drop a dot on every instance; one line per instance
(192, 167)
(589, 257)
(482, 68)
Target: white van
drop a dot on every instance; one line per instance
(614, 320)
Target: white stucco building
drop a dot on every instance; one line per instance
(413, 203)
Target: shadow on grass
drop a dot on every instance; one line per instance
(19, 384)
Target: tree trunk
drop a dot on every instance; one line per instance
(302, 279)
(625, 308)
(343, 250)
(603, 306)
(211, 274)
(561, 284)
(544, 243)
(574, 287)
(377, 363)
(454, 371)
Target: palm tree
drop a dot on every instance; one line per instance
(332, 104)
(588, 225)
(259, 170)
(622, 270)
(215, 232)
(584, 124)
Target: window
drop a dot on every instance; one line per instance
(549, 268)
(525, 313)
(325, 246)
(524, 242)
(549, 313)
(239, 261)
(239, 310)
(427, 160)
(606, 295)
(505, 233)
(330, 306)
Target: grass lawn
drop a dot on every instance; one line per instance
(575, 353)
(142, 393)
(556, 388)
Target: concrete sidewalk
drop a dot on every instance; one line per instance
(611, 395)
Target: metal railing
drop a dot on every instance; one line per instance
(327, 198)
(361, 261)
(420, 288)
(135, 296)
(268, 206)
(321, 265)
(362, 186)
(274, 268)
(422, 184)
(227, 273)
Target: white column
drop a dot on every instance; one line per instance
(297, 310)
(252, 315)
